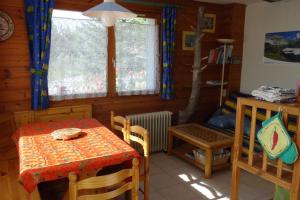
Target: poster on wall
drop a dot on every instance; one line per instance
(282, 47)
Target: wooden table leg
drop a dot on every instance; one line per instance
(170, 143)
(208, 163)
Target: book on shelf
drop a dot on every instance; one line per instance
(216, 55)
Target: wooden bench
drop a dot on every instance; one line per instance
(53, 114)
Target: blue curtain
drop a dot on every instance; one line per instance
(168, 36)
(38, 16)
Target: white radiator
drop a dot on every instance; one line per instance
(157, 124)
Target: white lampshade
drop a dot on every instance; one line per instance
(109, 12)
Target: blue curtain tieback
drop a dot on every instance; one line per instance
(38, 72)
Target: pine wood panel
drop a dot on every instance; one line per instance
(15, 89)
(53, 114)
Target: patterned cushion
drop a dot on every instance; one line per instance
(229, 106)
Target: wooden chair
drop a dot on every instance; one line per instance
(277, 172)
(141, 137)
(117, 124)
(119, 183)
(8, 148)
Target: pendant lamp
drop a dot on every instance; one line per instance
(109, 12)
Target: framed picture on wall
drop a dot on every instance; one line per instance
(282, 47)
(188, 40)
(209, 23)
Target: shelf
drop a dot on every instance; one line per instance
(181, 150)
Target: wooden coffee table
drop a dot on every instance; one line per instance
(201, 137)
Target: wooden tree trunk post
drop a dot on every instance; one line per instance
(196, 85)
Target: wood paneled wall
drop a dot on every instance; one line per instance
(15, 92)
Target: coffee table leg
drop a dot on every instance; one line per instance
(208, 163)
(170, 143)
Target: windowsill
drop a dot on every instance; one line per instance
(123, 94)
(107, 98)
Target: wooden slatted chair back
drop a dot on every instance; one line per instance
(286, 176)
(118, 183)
(117, 123)
(53, 114)
(140, 135)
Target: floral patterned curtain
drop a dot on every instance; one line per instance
(168, 35)
(38, 16)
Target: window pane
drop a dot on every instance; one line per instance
(137, 65)
(78, 57)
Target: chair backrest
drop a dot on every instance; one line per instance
(140, 136)
(7, 128)
(117, 122)
(119, 183)
(137, 134)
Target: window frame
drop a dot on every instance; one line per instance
(112, 90)
(154, 13)
(77, 96)
(158, 66)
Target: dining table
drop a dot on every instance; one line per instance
(43, 158)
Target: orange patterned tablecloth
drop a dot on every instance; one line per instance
(43, 159)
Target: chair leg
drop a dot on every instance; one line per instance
(235, 182)
(146, 178)
(135, 179)
(146, 187)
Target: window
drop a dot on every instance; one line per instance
(78, 57)
(78, 66)
(137, 56)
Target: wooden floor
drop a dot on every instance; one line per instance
(10, 188)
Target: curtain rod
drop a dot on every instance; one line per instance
(147, 3)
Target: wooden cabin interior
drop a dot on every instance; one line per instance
(117, 99)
